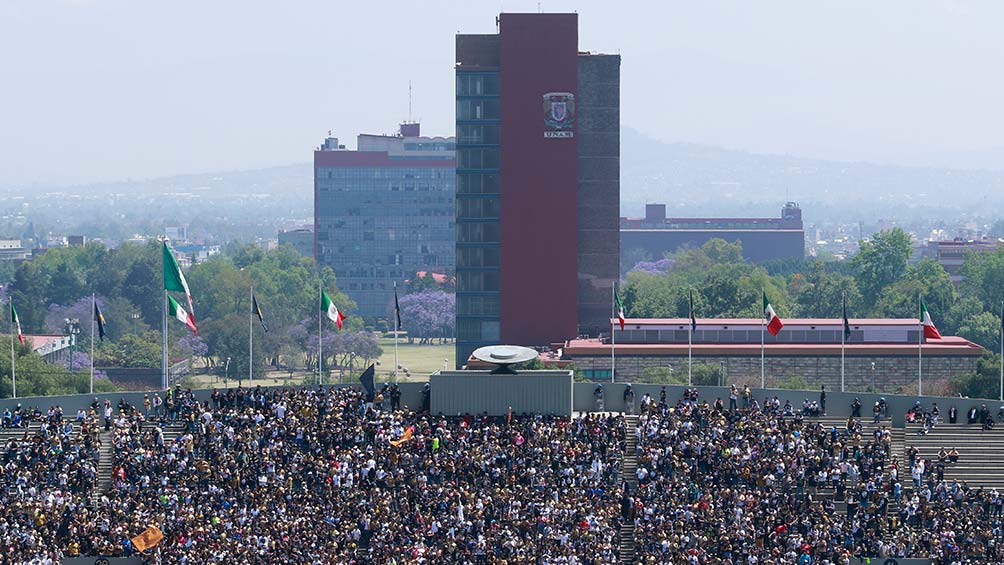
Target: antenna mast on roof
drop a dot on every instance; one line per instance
(409, 101)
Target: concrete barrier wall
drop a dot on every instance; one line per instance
(102, 561)
(411, 397)
(529, 392)
(837, 404)
(479, 392)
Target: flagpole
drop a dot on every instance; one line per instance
(763, 318)
(397, 312)
(320, 351)
(163, 346)
(843, 339)
(1002, 351)
(13, 372)
(613, 339)
(251, 337)
(94, 307)
(690, 354)
(920, 350)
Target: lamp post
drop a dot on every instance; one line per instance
(873, 377)
(72, 329)
(226, 372)
(721, 373)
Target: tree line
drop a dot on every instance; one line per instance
(878, 282)
(127, 281)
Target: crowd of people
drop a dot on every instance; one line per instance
(743, 486)
(46, 479)
(320, 475)
(765, 484)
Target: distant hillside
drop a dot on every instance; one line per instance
(699, 179)
(694, 180)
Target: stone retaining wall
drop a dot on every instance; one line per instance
(889, 373)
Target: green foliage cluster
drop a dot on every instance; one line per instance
(702, 374)
(129, 282)
(36, 377)
(984, 383)
(877, 282)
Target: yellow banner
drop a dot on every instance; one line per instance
(407, 435)
(149, 538)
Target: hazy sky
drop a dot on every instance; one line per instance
(110, 89)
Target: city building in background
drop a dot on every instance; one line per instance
(763, 239)
(952, 254)
(301, 239)
(383, 212)
(13, 250)
(538, 184)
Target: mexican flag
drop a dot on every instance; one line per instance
(930, 331)
(329, 308)
(620, 308)
(174, 279)
(16, 322)
(176, 311)
(774, 324)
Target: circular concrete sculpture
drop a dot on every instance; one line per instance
(504, 356)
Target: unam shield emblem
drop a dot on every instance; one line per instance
(559, 110)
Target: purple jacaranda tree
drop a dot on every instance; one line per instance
(428, 314)
(659, 267)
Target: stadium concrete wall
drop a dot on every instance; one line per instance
(528, 393)
(411, 397)
(837, 403)
(102, 561)
(861, 371)
(480, 392)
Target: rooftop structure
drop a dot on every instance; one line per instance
(383, 212)
(763, 239)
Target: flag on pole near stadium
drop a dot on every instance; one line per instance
(930, 331)
(16, 322)
(257, 311)
(774, 324)
(175, 310)
(99, 319)
(329, 308)
(847, 323)
(620, 308)
(174, 279)
(366, 379)
(397, 310)
(693, 314)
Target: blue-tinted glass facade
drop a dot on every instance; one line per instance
(477, 211)
(379, 225)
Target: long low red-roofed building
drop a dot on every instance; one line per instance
(886, 353)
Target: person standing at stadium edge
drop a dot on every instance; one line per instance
(629, 399)
(822, 399)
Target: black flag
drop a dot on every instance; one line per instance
(397, 310)
(366, 379)
(257, 311)
(693, 315)
(100, 320)
(847, 323)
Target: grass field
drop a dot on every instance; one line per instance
(419, 360)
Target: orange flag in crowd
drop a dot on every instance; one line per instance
(149, 538)
(408, 432)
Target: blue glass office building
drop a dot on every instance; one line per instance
(384, 212)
